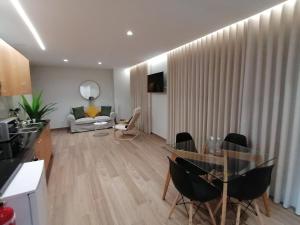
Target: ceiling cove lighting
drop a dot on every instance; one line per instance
(66, 60)
(256, 16)
(27, 21)
(129, 33)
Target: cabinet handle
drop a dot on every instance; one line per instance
(0, 88)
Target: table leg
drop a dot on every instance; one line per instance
(225, 189)
(168, 178)
(266, 204)
(167, 182)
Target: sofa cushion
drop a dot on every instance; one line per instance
(85, 120)
(92, 111)
(78, 112)
(102, 118)
(105, 110)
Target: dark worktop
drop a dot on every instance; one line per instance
(14, 153)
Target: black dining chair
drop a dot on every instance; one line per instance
(249, 187)
(193, 188)
(185, 142)
(238, 139)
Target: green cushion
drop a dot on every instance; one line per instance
(78, 112)
(105, 110)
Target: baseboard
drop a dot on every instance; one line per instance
(156, 135)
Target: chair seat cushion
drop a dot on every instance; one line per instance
(102, 118)
(121, 126)
(85, 120)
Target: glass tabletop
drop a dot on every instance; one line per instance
(225, 161)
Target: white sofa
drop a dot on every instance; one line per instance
(87, 123)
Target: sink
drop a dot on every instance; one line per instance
(28, 130)
(34, 125)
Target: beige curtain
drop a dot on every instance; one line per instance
(271, 97)
(204, 85)
(139, 95)
(245, 79)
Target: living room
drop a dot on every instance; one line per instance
(149, 112)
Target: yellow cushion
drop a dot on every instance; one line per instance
(92, 111)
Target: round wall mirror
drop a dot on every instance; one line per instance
(89, 90)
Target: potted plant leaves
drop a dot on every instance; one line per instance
(36, 110)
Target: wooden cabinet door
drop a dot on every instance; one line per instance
(23, 80)
(14, 72)
(43, 147)
(6, 70)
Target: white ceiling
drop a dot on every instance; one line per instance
(88, 31)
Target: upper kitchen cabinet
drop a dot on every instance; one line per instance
(14, 72)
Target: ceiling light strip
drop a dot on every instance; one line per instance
(27, 21)
(225, 27)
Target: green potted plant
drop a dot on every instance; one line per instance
(36, 111)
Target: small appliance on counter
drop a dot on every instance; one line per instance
(8, 129)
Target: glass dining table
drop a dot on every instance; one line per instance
(226, 162)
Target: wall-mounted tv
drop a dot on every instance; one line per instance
(156, 82)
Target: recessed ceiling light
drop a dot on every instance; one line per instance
(66, 60)
(129, 33)
(28, 23)
(99, 63)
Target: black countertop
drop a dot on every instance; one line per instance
(14, 153)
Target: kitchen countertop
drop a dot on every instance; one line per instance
(14, 153)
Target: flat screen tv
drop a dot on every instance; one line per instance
(156, 82)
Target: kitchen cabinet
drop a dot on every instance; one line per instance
(43, 147)
(14, 72)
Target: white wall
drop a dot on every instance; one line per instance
(12, 102)
(6, 102)
(61, 85)
(159, 101)
(122, 93)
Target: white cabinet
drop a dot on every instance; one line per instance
(27, 194)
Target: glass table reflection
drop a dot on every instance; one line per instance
(226, 161)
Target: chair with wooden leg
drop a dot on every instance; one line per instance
(184, 142)
(241, 140)
(192, 187)
(248, 188)
(128, 131)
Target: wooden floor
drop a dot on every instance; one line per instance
(99, 181)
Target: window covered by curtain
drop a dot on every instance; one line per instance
(139, 95)
(244, 78)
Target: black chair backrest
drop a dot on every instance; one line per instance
(185, 141)
(190, 185)
(181, 179)
(238, 139)
(253, 184)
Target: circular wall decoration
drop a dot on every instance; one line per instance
(89, 90)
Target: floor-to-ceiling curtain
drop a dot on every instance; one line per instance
(270, 114)
(204, 85)
(139, 95)
(246, 79)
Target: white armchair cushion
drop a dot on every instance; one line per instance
(121, 126)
